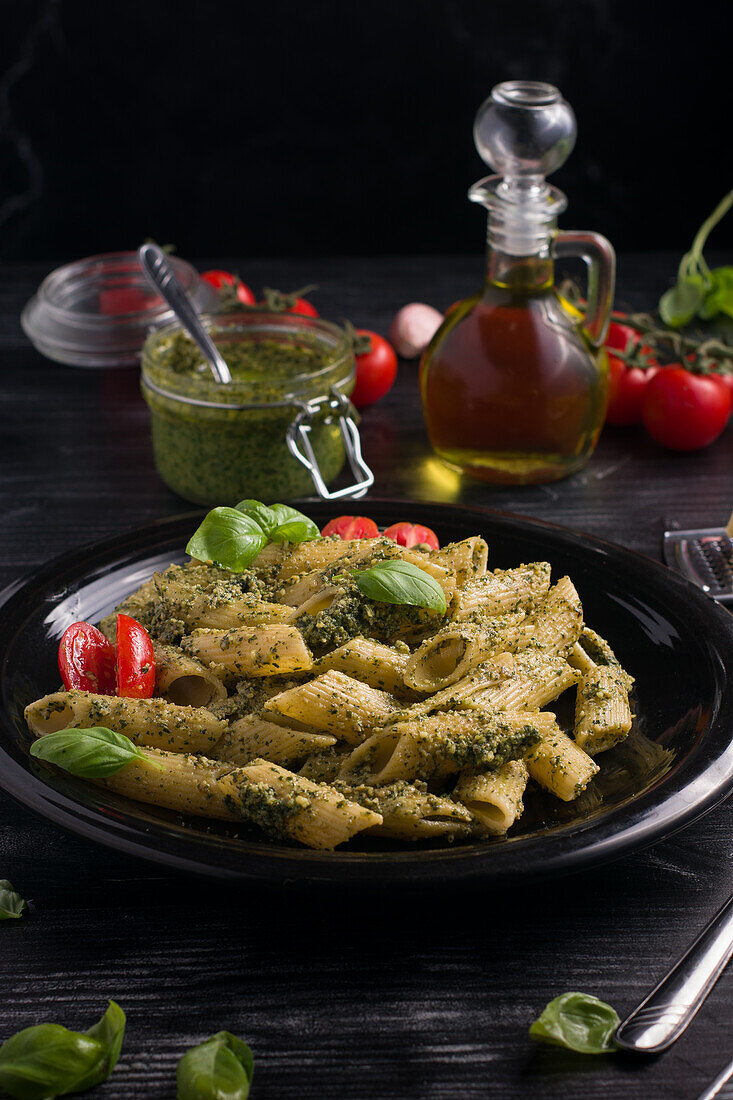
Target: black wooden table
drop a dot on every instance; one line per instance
(420, 995)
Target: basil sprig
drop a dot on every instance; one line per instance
(401, 582)
(233, 537)
(221, 1068)
(700, 291)
(91, 753)
(579, 1022)
(48, 1060)
(11, 903)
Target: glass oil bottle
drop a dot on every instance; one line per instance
(514, 383)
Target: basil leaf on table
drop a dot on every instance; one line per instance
(109, 1031)
(48, 1060)
(229, 538)
(11, 903)
(90, 753)
(221, 1068)
(579, 1022)
(401, 582)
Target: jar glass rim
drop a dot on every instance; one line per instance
(338, 370)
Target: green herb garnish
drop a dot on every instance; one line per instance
(91, 753)
(49, 1060)
(11, 903)
(700, 291)
(221, 1068)
(233, 537)
(401, 582)
(579, 1022)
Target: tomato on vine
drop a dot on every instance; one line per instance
(685, 411)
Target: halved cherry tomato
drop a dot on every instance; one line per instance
(685, 411)
(135, 660)
(412, 534)
(218, 278)
(376, 369)
(87, 660)
(351, 527)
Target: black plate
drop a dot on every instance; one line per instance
(676, 765)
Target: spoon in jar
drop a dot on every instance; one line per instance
(154, 263)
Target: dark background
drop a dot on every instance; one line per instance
(336, 127)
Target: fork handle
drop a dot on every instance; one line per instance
(662, 1017)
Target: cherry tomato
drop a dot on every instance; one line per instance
(376, 370)
(412, 534)
(727, 380)
(135, 660)
(685, 411)
(244, 294)
(621, 337)
(218, 279)
(626, 388)
(351, 527)
(302, 305)
(87, 660)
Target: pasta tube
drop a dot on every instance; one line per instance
(183, 782)
(410, 812)
(251, 737)
(287, 805)
(453, 651)
(334, 703)
(271, 650)
(183, 680)
(495, 797)
(380, 666)
(502, 591)
(560, 766)
(152, 722)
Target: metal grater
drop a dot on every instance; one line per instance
(705, 557)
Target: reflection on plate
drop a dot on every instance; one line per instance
(676, 764)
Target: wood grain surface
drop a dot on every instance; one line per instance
(344, 994)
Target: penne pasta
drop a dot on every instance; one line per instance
(152, 722)
(185, 681)
(251, 737)
(286, 805)
(271, 650)
(494, 797)
(286, 698)
(334, 703)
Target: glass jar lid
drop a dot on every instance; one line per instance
(97, 312)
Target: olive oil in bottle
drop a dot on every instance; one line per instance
(514, 383)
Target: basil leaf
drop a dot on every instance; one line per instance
(719, 298)
(11, 903)
(221, 1068)
(109, 1031)
(228, 538)
(579, 1022)
(92, 753)
(403, 583)
(47, 1060)
(680, 303)
(260, 513)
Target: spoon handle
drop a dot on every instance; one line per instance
(161, 274)
(661, 1017)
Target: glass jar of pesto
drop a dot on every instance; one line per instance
(282, 425)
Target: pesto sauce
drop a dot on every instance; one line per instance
(219, 455)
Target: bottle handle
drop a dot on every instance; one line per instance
(600, 261)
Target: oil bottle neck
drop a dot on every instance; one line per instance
(520, 273)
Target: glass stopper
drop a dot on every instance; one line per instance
(524, 131)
